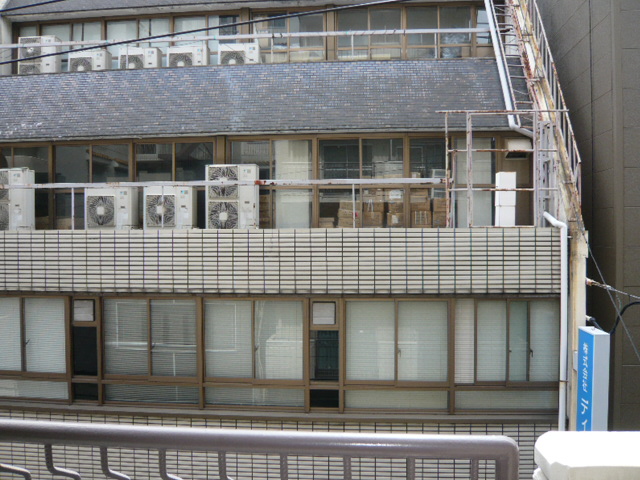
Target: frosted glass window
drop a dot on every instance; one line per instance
(151, 394)
(229, 349)
(118, 30)
(10, 339)
(278, 336)
(465, 340)
(34, 389)
(506, 400)
(518, 341)
(482, 209)
(396, 399)
(293, 208)
(87, 31)
(370, 340)
(183, 24)
(422, 341)
(292, 159)
(271, 397)
(492, 341)
(148, 27)
(484, 163)
(173, 338)
(545, 340)
(45, 337)
(382, 158)
(126, 337)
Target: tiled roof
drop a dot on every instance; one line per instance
(400, 96)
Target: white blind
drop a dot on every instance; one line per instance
(370, 340)
(10, 338)
(227, 336)
(278, 340)
(545, 340)
(292, 159)
(492, 340)
(465, 341)
(281, 397)
(126, 337)
(518, 341)
(173, 338)
(293, 208)
(45, 335)
(422, 341)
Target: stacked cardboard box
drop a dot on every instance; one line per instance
(265, 212)
(420, 209)
(373, 207)
(346, 214)
(395, 219)
(327, 222)
(439, 208)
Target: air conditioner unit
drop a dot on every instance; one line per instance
(17, 205)
(232, 206)
(114, 208)
(188, 55)
(90, 60)
(169, 207)
(29, 48)
(238, 53)
(136, 58)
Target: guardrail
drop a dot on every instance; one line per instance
(223, 442)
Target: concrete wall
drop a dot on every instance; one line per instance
(596, 46)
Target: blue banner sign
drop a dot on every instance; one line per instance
(592, 364)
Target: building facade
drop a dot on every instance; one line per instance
(399, 273)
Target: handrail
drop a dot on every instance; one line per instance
(500, 449)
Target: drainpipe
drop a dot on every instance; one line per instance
(502, 71)
(564, 290)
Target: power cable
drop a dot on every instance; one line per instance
(13, 9)
(206, 29)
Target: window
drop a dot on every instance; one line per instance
(484, 170)
(150, 337)
(33, 334)
(294, 49)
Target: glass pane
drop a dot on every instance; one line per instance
(173, 338)
(484, 163)
(308, 23)
(482, 209)
(292, 159)
(45, 340)
(87, 31)
(34, 389)
(63, 211)
(182, 24)
(151, 394)
(268, 397)
(293, 208)
(278, 334)
(482, 22)
(385, 19)
(257, 153)
(28, 31)
(63, 32)
(518, 341)
(325, 356)
(35, 158)
(382, 158)
(370, 340)
(396, 399)
(465, 341)
(506, 400)
(422, 341)
(492, 341)
(85, 351)
(545, 340)
(336, 209)
(422, 18)
(455, 17)
(154, 162)
(120, 30)
(339, 159)
(126, 334)
(191, 159)
(110, 163)
(11, 338)
(227, 337)
(428, 158)
(154, 26)
(72, 164)
(350, 20)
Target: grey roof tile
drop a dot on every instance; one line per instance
(402, 96)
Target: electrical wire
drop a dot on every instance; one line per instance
(13, 9)
(206, 29)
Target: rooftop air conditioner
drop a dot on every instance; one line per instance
(89, 60)
(238, 53)
(232, 206)
(169, 207)
(114, 208)
(17, 206)
(34, 47)
(187, 56)
(136, 58)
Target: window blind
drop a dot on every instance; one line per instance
(10, 339)
(280, 397)
(518, 341)
(545, 340)
(173, 338)
(422, 341)
(45, 335)
(370, 340)
(492, 340)
(126, 337)
(228, 342)
(465, 341)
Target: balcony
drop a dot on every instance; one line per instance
(76, 450)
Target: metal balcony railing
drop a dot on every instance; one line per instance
(222, 445)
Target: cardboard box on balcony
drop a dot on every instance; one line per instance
(395, 219)
(348, 222)
(439, 219)
(439, 205)
(396, 207)
(348, 204)
(327, 222)
(373, 204)
(372, 219)
(347, 213)
(394, 195)
(421, 218)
